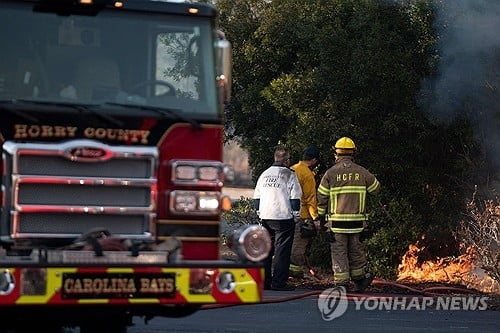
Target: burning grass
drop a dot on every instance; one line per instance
(478, 265)
(461, 270)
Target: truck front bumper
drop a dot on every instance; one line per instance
(183, 283)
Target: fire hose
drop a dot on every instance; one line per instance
(427, 292)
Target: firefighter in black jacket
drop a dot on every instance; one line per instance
(341, 203)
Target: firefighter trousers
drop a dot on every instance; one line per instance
(301, 246)
(348, 257)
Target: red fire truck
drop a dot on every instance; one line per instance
(111, 129)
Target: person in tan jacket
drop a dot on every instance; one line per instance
(342, 204)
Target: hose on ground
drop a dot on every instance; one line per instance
(427, 292)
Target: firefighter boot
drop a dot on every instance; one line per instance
(345, 284)
(363, 282)
(296, 271)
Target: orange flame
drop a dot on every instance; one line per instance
(458, 270)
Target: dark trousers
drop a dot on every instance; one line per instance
(281, 232)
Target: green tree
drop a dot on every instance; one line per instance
(310, 71)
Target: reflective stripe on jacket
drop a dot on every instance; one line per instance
(342, 195)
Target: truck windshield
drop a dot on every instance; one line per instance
(126, 57)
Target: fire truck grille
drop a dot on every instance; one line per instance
(60, 166)
(87, 195)
(65, 190)
(74, 224)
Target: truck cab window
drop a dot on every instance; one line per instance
(112, 57)
(174, 60)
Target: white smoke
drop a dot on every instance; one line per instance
(468, 79)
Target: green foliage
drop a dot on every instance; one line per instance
(242, 213)
(308, 72)
(320, 253)
(391, 228)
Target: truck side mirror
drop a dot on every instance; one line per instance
(224, 63)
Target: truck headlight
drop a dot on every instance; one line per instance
(251, 243)
(184, 172)
(195, 202)
(207, 173)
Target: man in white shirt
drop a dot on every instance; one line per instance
(277, 200)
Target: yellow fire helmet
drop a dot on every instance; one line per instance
(344, 145)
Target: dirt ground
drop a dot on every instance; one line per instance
(236, 193)
(398, 288)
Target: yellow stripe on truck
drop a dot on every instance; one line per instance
(182, 284)
(246, 290)
(246, 287)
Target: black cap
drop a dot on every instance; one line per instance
(310, 153)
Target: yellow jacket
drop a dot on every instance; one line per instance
(308, 201)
